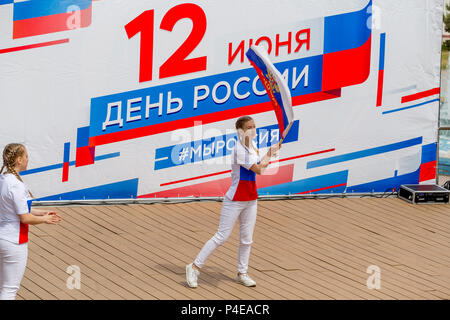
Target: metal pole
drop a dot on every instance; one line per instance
(439, 108)
(197, 199)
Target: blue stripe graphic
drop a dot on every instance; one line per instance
(71, 163)
(308, 184)
(107, 156)
(382, 50)
(364, 153)
(117, 190)
(429, 152)
(82, 137)
(66, 152)
(386, 185)
(413, 106)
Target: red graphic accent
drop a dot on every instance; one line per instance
(49, 24)
(177, 64)
(65, 176)
(421, 95)
(205, 119)
(304, 155)
(23, 233)
(316, 97)
(85, 156)
(32, 46)
(228, 171)
(144, 24)
(325, 188)
(246, 191)
(380, 88)
(195, 178)
(346, 68)
(427, 171)
(219, 187)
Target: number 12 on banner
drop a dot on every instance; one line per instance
(176, 64)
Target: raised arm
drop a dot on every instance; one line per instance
(39, 212)
(50, 218)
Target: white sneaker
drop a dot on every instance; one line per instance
(191, 276)
(245, 280)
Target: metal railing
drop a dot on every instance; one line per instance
(172, 200)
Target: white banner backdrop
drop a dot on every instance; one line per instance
(138, 99)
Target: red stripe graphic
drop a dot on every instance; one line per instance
(421, 95)
(304, 155)
(195, 178)
(427, 171)
(32, 46)
(316, 97)
(380, 88)
(85, 156)
(23, 233)
(320, 189)
(215, 188)
(65, 175)
(228, 171)
(245, 191)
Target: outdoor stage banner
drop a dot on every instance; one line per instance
(119, 99)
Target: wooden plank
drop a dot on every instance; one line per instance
(303, 249)
(266, 255)
(385, 239)
(102, 241)
(388, 265)
(174, 246)
(88, 268)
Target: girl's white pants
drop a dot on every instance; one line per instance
(245, 211)
(13, 260)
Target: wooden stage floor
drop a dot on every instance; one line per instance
(303, 249)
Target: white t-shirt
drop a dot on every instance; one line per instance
(243, 185)
(14, 196)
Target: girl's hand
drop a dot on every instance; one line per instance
(273, 150)
(52, 218)
(53, 213)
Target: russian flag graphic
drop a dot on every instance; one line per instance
(246, 188)
(37, 17)
(347, 48)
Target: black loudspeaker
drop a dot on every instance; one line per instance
(424, 194)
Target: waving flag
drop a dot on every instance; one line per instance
(276, 87)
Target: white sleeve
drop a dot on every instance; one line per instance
(245, 158)
(19, 197)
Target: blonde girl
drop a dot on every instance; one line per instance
(15, 216)
(239, 203)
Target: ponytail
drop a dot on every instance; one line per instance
(10, 154)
